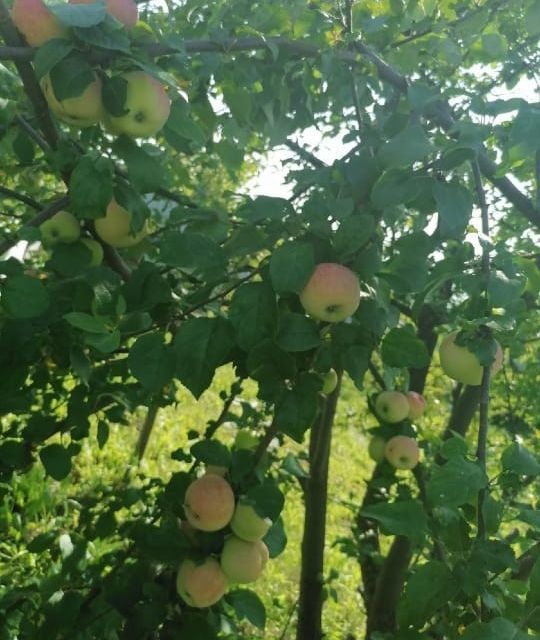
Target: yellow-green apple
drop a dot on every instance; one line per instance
(461, 364)
(79, 111)
(247, 524)
(209, 503)
(392, 406)
(201, 585)
(417, 404)
(62, 227)
(147, 107)
(115, 227)
(376, 448)
(125, 11)
(36, 22)
(332, 293)
(330, 380)
(402, 452)
(96, 251)
(243, 561)
(246, 439)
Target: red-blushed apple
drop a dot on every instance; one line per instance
(36, 22)
(96, 251)
(461, 364)
(330, 380)
(402, 452)
(417, 404)
(246, 439)
(147, 107)
(376, 448)
(62, 227)
(332, 293)
(115, 227)
(392, 406)
(125, 11)
(209, 503)
(242, 561)
(79, 111)
(201, 585)
(247, 524)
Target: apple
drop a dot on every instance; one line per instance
(115, 227)
(36, 22)
(147, 104)
(209, 503)
(247, 524)
(376, 448)
(243, 561)
(330, 380)
(417, 404)
(332, 293)
(96, 251)
(201, 585)
(461, 364)
(79, 111)
(402, 452)
(125, 11)
(62, 227)
(392, 406)
(246, 439)
(216, 470)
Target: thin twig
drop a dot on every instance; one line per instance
(15, 195)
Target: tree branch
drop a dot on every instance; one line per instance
(15, 195)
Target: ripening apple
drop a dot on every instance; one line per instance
(332, 293)
(62, 227)
(461, 364)
(330, 380)
(402, 452)
(417, 404)
(147, 107)
(125, 11)
(209, 503)
(246, 439)
(201, 585)
(79, 111)
(247, 524)
(243, 561)
(114, 227)
(96, 251)
(376, 448)
(36, 22)
(392, 406)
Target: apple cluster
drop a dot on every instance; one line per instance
(211, 505)
(147, 105)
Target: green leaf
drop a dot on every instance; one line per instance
(253, 313)
(398, 186)
(502, 290)
(193, 251)
(297, 409)
(266, 208)
(406, 271)
(200, 346)
(56, 460)
(455, 483)
(80, 363)
(400, 518)
(182, 124)
(151, 361)
(401, 348)
(353, 233)
(292, 465)
(50, 54)
(86, 322)
(24, 297)
(247, 605)
(267, 499)
(107, 35)
(91, 186)
(211, 452)
(497, 629)
(525, 131)
(291, 266)
(297, 333)
(80, 15)
(409, 146)
(144, 170)
(520, 460)
(114, 94)
(71, 76)
(454, 204)
(532, 19)
(533, 597)
(267, 362)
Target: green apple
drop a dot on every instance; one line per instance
(243, 562)
(209, 503)
(417, 404)
(36, 22)
(330, 380)
(376, 448)
(62, 227)
(247, 524)
(96, 251)
(147, 107)
(461, 364)
(79, 111)
(115, 227)
(246, 439)
(402, 452)
(332, 293)
(392, 406)
(201, 585)
(125, 11)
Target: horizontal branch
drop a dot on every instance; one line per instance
(15, 195)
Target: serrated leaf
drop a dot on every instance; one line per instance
(151, 361)
(409, 146)
(144, 170)
(211, 452)
(193, 251)
(80, 15)
(24, 297)
(353, 233)
(455, 483)
(56, 460)
(454, 204)
(401, 348)
(247, 605)
(91, 186)
(291, 266)
(297, 333)
(253, 313)
(402, 518)
(70, 77)
(520, 460)
(50, 54)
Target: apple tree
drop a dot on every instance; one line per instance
(134, 263)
